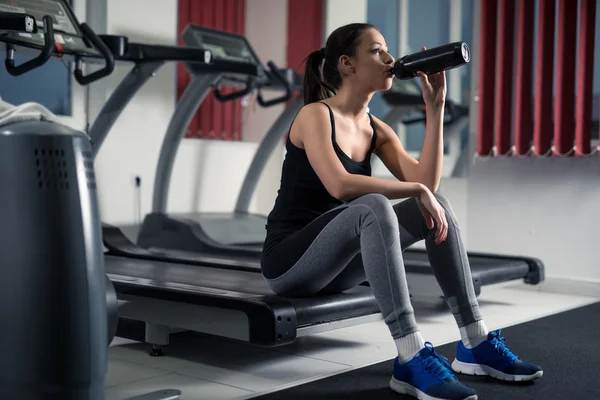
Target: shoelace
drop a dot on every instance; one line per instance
(436, 363)
(500, 346)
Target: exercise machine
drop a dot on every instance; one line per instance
(58, 305)
(238, 237)
(233, 233)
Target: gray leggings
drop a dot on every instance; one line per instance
(363, 240)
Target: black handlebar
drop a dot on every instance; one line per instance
(104, 50)
(250, 85)
(286, 84)
(38, 61)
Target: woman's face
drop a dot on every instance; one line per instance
(371, 63)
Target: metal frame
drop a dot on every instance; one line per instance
(264, 152)
(193, 96)
(112, 109)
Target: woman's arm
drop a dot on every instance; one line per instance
(432, 154)
(428, 169)
(402, 165)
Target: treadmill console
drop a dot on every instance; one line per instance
(68, 37)
(225, 47)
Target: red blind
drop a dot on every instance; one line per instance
(305, 31)
(545, 125)
(213, 120)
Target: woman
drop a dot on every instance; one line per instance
(333, 225)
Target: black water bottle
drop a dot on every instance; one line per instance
(432, 60)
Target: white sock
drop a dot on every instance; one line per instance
(474, 334)
(408, 346)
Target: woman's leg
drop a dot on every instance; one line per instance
(367, 226)
(338, 249)
(450, 265)
(336, 252)
(448, 260)
(479, 352)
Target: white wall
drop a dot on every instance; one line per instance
(266, 30)
(269, 40)
(342, 12)
(541, 207)
(545, 208)
(132, 147)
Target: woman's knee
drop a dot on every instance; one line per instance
(373, 198)
(378, 205)
(376, 208)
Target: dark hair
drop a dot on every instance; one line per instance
(319, 85)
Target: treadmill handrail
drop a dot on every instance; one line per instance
(249, 86)
(104, 50)
(144, 52)
(287, 85)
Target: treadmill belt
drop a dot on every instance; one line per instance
(119, 245)
(164, 273)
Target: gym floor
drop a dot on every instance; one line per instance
(205, 367)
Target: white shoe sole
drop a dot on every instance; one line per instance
(478, 369)
(405, 388)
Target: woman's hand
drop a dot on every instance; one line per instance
(434, 215)
(433, 87)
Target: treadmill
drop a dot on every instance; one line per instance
(231, 234)
(205, 295)
(239, 236)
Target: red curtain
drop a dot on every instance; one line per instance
(305, 31)
(585, 77)
(213, 120)
(503, 112)
(487, 62)
(524, 80)
(553, 123)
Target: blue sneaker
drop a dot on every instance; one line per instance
(492, 357)
(428, 376)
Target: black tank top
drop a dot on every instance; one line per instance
(302, 197)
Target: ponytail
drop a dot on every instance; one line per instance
(314, 88)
